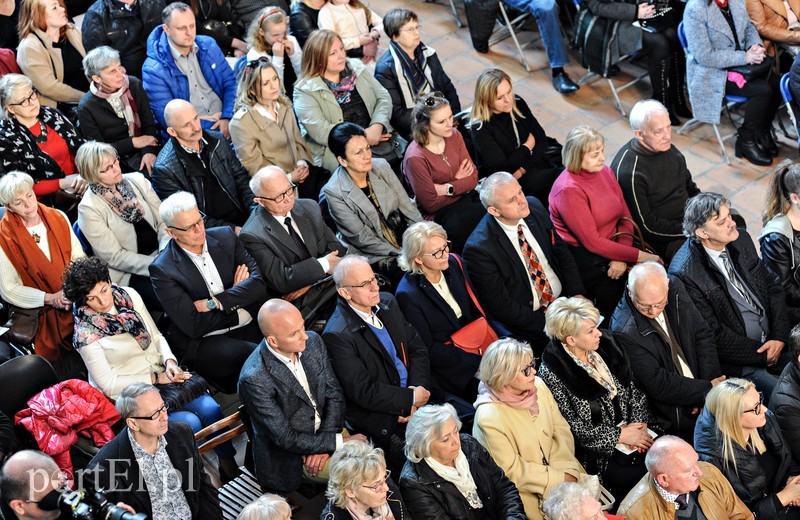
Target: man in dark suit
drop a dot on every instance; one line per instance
(380, 360)
(735, 293)
(514, 288)
(153, 465)
(211, 288)
(290, 242)
(293, 399)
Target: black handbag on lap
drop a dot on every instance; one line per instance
(178, 395)
(754, 71)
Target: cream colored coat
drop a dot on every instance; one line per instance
(519, 443)
(260, 141)
(113, 239)
(34, 60)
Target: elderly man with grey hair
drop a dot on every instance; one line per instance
(153, 464)
(678, 485)
(517, 262)
(211, 288)
(378, 357)
(572, 501)
(671, 349)
(654, 178)
(116, 110)
(735, 294)
(291, 244)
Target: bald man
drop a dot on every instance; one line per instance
(294, 400)
(201, 162)
(677, 486)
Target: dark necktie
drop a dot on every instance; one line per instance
(736, 282)
(682, 501)
(301, 246)
(535, 270)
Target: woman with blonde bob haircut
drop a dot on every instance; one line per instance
(434, 296)
(590, 378)
(518, 421)
(497, 114)
(740, 436)
(450, 475)
(267, 507)
(588, 210)
(360, 486)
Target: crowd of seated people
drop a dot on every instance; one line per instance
(291, 233)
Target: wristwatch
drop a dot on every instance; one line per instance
(450, 190)
(211, 304)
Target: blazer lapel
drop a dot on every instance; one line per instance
(353, 193)
(513, 256)
(277, 230)
(433, 295)
(280, 372)
(304, 225)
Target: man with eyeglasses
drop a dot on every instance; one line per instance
(211, 288)
(153, 464)
(671, 349)
(201, 162)
(378, 357)
(289, 240)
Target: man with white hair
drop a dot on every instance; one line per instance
(211, 288)
(654, 178)
(670, 347)
(678, 486)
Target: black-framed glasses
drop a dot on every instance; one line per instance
(192, 227)
(156, 414)
(432, 98)
(376, 488)
(530, 367)
(281, 196)
(25, 103)
(439, 253)
(757, 408)
(375, 279)
(110, 166)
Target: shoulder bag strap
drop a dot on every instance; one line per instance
(52, 63)
(466, 284)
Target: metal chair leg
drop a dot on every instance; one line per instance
(513, 35)
(617, 101)
(455, 14)
(721, 145)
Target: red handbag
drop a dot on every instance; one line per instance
(476, 336)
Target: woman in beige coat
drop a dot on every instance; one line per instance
(517, 420)
(50, 52)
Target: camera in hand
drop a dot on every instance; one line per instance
(89, 504)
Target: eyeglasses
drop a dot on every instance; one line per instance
(376, 488)
(757, 408)
(156, 414)
(413, 29)
(108, 168)
(433, 98)
(192, 227)
(532, 366)
(25, 103)
(439, 253)
(376, 279)
(282, 196)
(649, 308)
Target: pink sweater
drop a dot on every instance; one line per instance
(586, 209)
(424, 169)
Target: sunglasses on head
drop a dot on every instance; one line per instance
(256, 62)
(432, 98)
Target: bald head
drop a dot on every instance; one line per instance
(29, 475)
(273, 312)
(269, 181)
(673, 464)
(175, 109)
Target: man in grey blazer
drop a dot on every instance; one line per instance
(290, 242)
(294, 400)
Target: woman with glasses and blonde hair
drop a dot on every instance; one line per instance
(437, 298)
(440, 170)
(268, 35)
(507, 136)
(517, 420)
(360, 487)
(739, 435)
(119, 217)
(264, 129)
(590, 378)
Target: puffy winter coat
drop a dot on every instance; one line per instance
(56, 416)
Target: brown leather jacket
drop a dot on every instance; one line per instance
(716, 498)
(771, 21)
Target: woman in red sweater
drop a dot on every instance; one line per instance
(441, 172)
(587, 208)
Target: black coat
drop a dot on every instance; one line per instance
(123, 30)
(99, 122)
(170, 176)
(785, 404)
(708, 291)
(367, 373)
(781, 255)
(750, 483)
(672, 396)
(302, 21)
(501, 281)
(116, 461)
(431, 496)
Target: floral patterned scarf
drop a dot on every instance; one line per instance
(347, 82)
(91, 326)
(123, 200)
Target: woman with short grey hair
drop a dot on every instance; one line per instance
(450, 475)
(572, 501)
(437, 298)
(116, 111)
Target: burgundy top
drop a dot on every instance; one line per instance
(56, 147)
(424, 169)
(586, 209)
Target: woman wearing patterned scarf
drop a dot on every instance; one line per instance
(116, 111)
(118, 216)
(120, 344)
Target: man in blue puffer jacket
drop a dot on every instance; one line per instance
(182, 65)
